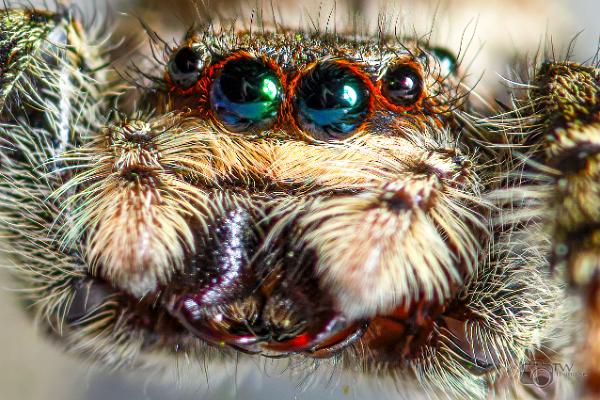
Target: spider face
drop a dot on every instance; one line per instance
(285, 193)
(297, 184)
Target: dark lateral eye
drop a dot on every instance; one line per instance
(402, 85)
(184, 67)
(447, 60)
(246, 95)
(331, 101)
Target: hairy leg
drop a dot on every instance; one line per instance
(556, 132)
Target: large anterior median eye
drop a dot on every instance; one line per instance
(331, 101)
(402, 84)
(246, 94)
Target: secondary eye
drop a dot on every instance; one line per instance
(402, 85)
(447, 60)
(331, 101)
(246, 95)
(184, 67)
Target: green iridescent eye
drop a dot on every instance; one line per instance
(246, 95)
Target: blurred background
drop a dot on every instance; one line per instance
(491, 36)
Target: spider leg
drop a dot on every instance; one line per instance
(55, 91)
(559, 125)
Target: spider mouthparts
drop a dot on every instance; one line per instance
(316, 333)
(237, 297)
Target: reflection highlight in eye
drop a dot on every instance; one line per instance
(350, 95)
(270, 89)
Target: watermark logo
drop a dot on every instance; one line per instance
(543, 374)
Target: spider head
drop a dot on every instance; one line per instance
(288, 190)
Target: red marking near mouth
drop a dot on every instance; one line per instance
(297, 344)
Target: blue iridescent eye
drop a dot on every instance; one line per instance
(246, 95)
(331, 101)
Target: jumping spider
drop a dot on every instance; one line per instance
(313, 196)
